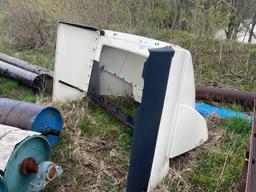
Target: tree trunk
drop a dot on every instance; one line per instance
(177, 19)
(234, 21)
(230, 30)
(252, 29)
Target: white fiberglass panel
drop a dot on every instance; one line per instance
(181, 128)
(75, 51)
(125, 67)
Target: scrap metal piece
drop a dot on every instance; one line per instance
(25, 65)
(225, 95)
(114, 110)
(47, 171)
(243, 177)
(248, 177)
(38, 78)
(251, 172)
(15, 146)
(24, 159)
(28, 116)
(38, 82)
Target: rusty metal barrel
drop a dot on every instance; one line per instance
(28, 116)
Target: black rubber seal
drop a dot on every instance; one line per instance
(102, 32)
(69, 85)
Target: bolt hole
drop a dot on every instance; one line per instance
(253, 161)
(247, 154)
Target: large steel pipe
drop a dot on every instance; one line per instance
(38, 82)
(25, 65)
(45, 120)
(225, 95)
(38, 78)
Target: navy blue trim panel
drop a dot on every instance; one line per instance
(155, 75)
(102, 33)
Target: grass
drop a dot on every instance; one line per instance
(95, 159)
(12, 89)
(42, 57)
(98, 123)
(214, 166)
(220, 169)
(94, 148)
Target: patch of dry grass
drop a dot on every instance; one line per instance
(93, 161)
(90, 162)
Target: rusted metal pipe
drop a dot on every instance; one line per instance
(38, 82)
(225, 95)
(25, 65)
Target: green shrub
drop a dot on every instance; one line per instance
(32, 23)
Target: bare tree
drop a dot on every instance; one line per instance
(241, 11)
(252, 28)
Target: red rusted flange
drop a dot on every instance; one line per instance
(52, 173)
(29, 165)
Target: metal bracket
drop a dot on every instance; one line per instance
(248, 177)
(47, 172)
